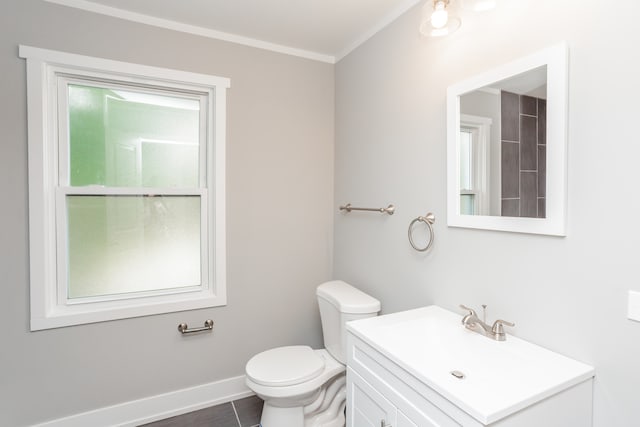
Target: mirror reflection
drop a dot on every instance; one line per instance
(502, 147)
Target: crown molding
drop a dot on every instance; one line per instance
(191, 29)
(234, 38)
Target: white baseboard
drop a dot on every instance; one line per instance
(153, 408)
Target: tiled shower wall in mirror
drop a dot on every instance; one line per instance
(523, 158)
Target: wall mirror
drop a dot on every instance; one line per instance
(506, 146)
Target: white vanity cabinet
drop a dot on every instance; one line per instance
(399, 375)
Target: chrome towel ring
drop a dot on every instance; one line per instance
(428, 219)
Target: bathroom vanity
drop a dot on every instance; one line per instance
(423, 368)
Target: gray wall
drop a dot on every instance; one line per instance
(279, 216)
(390, 148)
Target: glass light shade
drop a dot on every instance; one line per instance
(427, 29)
(440, 16)
(437, 21)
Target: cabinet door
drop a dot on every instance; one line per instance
(403, 421)
(367, 407)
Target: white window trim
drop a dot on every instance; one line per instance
(481, 128)
(43, 68)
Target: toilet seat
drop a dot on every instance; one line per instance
(285, 366)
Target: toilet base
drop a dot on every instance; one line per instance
(327, 410)
(273, 416)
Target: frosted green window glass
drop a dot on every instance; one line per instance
(131, 138)
(467, 204)
(124, 244)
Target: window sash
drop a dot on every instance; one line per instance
(64, 80)
(479, 130)
(62, 238)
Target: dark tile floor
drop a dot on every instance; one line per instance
(239, 413)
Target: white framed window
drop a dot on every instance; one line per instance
(475, 132)
(126, 189)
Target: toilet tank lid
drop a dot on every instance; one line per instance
(346, 298)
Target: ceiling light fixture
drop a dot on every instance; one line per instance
(436, 19)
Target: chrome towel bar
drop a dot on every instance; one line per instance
(388, 210)
(184, 329)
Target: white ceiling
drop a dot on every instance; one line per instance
(324, 30)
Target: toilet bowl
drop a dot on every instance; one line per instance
(290, 380)
(303, 387)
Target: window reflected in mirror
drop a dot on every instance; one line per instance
(502, 147)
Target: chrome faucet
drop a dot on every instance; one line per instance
(472, 322)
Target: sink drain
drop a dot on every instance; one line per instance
(459, 375)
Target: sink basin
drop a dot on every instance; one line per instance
(500, 377)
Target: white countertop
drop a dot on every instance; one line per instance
(501, 377)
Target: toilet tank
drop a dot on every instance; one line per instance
(340, 303)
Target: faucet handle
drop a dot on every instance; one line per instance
(470, 310)
(466, 317)
(497, 326)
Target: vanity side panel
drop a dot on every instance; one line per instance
(566, 408)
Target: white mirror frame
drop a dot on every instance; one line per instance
(556, 60)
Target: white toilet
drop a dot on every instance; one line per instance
(302, 387)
